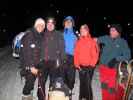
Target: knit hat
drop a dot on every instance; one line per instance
(50, 18)
(117, 27)
(39, 21)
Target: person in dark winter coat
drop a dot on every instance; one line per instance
(114, 50)
(70, 40)
(86, 55)
(30, 56)
(54, 53)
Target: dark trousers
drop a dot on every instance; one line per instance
(42, 78)
(69, 71)
(47, 69)
(86, 75)
(29, 86)
(50, 69)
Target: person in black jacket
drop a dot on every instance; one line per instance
(54, 53)
(30, 56)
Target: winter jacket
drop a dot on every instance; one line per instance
(86, 52)
(70, 40)
(54, 47)
(31, 44)
(113, 49)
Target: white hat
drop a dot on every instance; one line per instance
(39, 21)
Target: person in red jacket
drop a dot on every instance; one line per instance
(86, 55)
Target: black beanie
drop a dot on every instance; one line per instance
(117, 27)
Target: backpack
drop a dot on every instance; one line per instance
(17, 39)
(16, 45)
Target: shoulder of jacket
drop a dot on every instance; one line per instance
(59, 33)
(62, 31)
(106, 36)
(122, 40)
(28, 35)
(79, 41)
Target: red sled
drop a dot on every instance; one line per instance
(111, 90)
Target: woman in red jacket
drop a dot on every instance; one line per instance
(85, 58)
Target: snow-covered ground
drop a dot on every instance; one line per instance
(11, 84)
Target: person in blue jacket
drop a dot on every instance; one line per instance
(70, 40)
(115, 48)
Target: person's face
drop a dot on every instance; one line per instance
(68, 24)
(84, 31)
(114, 33)
(50, 25)
(40, 27)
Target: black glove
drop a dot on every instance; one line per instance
(113, 63)
(23, 72)
(41, 64)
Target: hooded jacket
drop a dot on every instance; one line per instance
(70, 40)
(86, 52)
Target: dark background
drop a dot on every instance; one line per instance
(17, 16)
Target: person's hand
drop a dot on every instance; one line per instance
(34, 70)
(78, 67)
(113, 63)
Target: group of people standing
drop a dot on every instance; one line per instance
(57, 54)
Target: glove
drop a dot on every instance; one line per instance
(112, 63)
(78, 68)
(23, 72)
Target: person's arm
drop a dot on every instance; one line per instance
(76, 56)
(62, 47)
(27, 50)
(95, 53)
(28, 46)
(102, 39)
(125, 53)
(40, 66)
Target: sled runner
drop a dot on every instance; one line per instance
(129, 85)
(123, 73)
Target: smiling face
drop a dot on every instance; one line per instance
(68, 24)
(40, 28)
(114, 33)
(50, 25)
(39, 25)
(84, 30)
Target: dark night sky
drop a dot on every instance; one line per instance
(16, 16)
